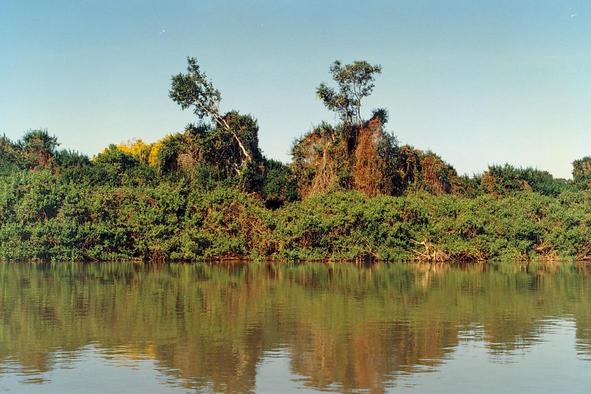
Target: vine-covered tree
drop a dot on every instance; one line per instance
(355, 82)
(195, 90)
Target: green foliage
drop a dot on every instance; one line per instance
(247, 129)
(39, 141)
(280, 185)
(501, 180)
(113, 167)
(582, 173)
(381, 114)
(212, 155)
(195, 207)
(71, 159)
(418, 171)
(193, 89)
(115, 161)
(10, 156)
(468, 186)
(38, 148)
(355, 82)
(218, 149)
(47, 216)
(168, 154)
(209, 192)
(231, 149)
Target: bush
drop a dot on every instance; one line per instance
(120, 207)
(582, 173)
(279, 185)
(502, 180)
(44, 216)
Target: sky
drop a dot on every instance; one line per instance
(477, 82)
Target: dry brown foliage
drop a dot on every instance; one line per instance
(350, 158)
(370, 169)
(425, 171)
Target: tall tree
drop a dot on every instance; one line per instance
(355, 82)
(193, 89)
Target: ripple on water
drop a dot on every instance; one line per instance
(341, 328)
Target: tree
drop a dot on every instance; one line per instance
(193, 89)
(355, 82)
(39, 147)
(582, 172)
(10, 156)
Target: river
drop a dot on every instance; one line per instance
(280, 328)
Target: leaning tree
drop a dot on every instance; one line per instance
(194, 90)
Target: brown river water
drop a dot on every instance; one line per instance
(281, 328)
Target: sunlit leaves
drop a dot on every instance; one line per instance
(355, 82)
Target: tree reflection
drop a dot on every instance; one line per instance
(209, 326)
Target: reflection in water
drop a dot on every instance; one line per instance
(340, 327)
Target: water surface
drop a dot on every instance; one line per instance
(131, 328)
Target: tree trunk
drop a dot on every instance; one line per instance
(222, 122)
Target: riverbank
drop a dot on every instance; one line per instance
(44, 217)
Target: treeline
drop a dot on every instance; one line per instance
(46, 217)
(351, 191)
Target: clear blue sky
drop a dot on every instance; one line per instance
(478, 82)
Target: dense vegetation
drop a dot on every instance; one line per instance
(351, 192)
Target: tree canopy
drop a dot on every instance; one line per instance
(195, 90)
(355, 82)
